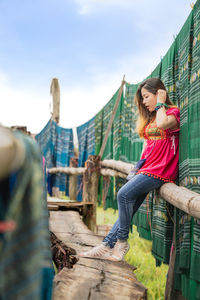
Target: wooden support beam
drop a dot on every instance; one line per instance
(73, 179)
(90, 188)
(55, 92)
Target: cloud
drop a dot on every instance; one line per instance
(80, 101)
(31, 108)
(86, 7)
(80, 105)
(22, 107)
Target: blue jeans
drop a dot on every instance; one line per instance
(129, 199)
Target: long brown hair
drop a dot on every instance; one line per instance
(152, 85)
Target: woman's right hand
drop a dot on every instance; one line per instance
(161, 96)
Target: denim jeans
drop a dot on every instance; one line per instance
(129, 199)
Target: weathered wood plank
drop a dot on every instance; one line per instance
(67, 203)
(91, 279)
(52, 207)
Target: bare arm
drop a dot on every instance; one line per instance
(163, 121)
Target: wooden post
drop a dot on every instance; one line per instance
(90, 189)
(73, 179)
(112, 118)
(55, 92)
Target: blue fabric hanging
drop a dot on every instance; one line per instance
(86, 145)
(56, 144)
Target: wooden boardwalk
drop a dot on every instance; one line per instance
(90, 279)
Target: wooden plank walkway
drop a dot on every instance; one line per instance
(54, 203)
(90, 279)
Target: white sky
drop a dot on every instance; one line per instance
(87, 44)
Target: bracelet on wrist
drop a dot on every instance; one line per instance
(158, 107)
(162, 104)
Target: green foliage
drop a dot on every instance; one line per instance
(139, 255)
(106, 217)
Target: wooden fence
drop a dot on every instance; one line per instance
(178, 196)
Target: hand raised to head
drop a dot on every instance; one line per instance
(161, 96)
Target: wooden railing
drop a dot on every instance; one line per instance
(178, 196)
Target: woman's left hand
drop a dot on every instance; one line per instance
(161, 96)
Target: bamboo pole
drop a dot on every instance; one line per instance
(117, 165)
(182, 198)
(110, 172)
(112, 118)
(80, 171)
(67, 170)
(55, 92)
(73, 179)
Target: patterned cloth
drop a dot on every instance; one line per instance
(86, 147)
(187, 276)
(25, 258)
(162, 228)
(131, 144)
(102, 119)
(86, 141)
(112, 149)
(56, 144)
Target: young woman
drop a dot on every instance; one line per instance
(158, 125)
